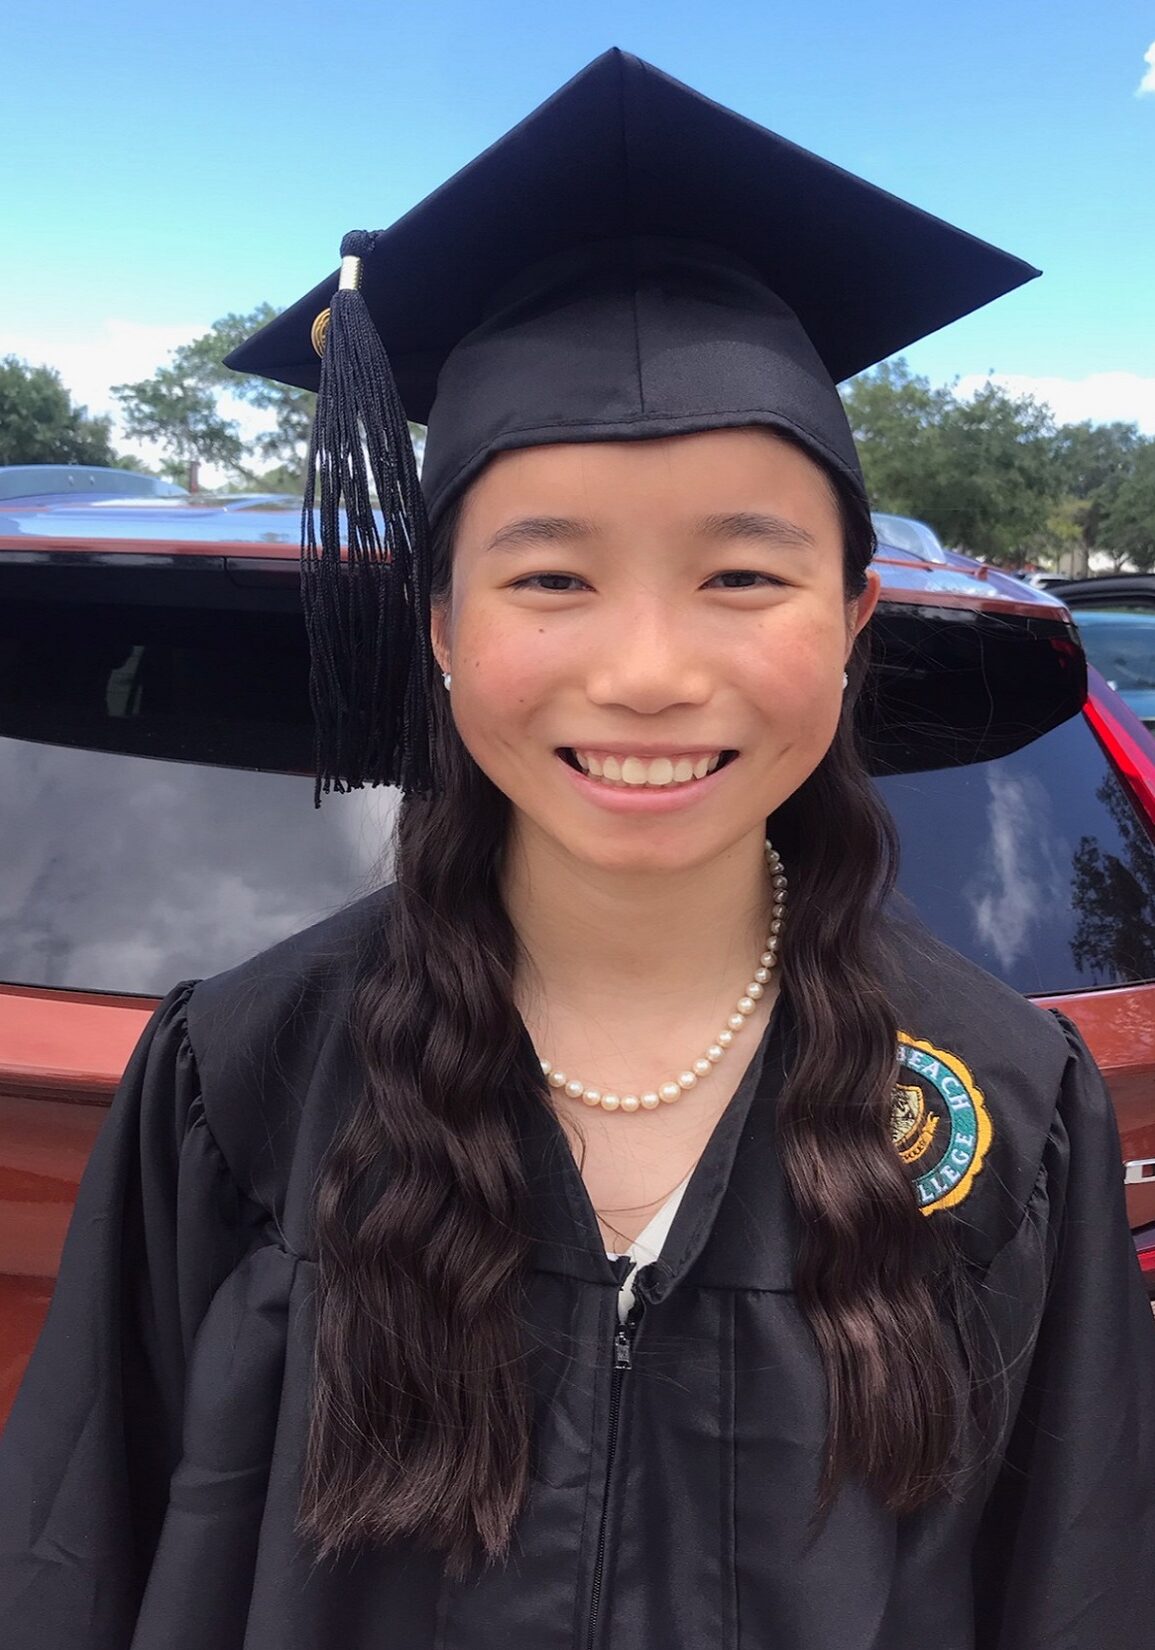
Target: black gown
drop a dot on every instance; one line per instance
(149, 1474)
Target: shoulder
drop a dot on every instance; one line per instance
(271, 1042)
(980, 1077)
(304, 975)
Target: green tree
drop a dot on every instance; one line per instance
(40, 425)
(992, 481)
(1094, 460)
(1128, 526)
(284, 446)
(179, 407)
(895, 416)
(182, 418)
(982, 472)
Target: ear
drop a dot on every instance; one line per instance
(439, 633)
(861, 608)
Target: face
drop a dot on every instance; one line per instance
(647, 640)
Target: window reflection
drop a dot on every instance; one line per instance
(124, 874)
(1036, 866)
(1114, 895)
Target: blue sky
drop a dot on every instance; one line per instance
(167, 165)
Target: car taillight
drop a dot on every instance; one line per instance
(1126, 742)
(1145, 1249)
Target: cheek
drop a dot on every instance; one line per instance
(503, 672)
(792, 678)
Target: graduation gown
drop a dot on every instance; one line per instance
(149, 1473)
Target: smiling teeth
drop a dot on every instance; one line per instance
(635, 770)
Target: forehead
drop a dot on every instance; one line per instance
(672, 479)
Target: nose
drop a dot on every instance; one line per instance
(645, 659)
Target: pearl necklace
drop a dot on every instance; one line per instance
(674, 1089)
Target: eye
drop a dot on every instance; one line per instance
(744, 578)
(559, 583)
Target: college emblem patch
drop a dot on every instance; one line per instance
(939, 1123)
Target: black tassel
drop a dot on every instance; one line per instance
(366, 613)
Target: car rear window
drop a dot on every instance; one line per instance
(141, 857)
(125, 874)
(1036, 865)
(145, 842)
(1121, 649)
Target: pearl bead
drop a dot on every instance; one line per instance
(726, 1037)
(546, 1067)
(558, 1079)
(766, 960)
(703, 1068)
(714, 1053)
(575, 1088)
(761, 975)
(687, 1079)
(592, 1097)
(745, 1005)
(651, 1101)
(736, 1022)
(670, 1092)
(754, 990)
(778, 881)
(630, 1102)
(611, 1102)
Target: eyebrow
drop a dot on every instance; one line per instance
(736, 524)
(539, 529)
(750, 524)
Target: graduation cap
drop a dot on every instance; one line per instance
(631, 261)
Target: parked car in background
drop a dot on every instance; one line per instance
(1121, 646)
(907, 534)
(157, 820)
(1115, 613)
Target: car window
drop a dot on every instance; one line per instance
(157, 849)
(1035, 865)
(1122, 650)
(125, 874)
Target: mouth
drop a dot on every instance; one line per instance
(658, 773)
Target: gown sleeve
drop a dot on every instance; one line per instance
(1066, 1551)
(95, 1433)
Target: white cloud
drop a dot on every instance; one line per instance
(120, 352)
(1147, 84)
(1102, 397)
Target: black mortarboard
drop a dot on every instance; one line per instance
(630, 261)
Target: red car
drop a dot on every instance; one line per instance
(157, 820)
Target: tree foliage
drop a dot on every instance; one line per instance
(40, 425)
(1128, 525)
(179, 408)
(181, 417)
(994, 476)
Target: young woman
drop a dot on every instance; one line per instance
(623, 1231)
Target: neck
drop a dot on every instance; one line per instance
(592, 937)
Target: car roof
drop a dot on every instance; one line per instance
(268, 526)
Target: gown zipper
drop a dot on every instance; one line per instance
(623, 1361)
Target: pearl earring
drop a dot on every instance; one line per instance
(447, 678)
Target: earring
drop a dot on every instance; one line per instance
(447, 679)
(845, 682)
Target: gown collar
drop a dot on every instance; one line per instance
(734, 1225)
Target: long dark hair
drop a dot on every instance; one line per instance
(420, 1424)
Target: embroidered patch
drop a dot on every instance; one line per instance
(939, 1123)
